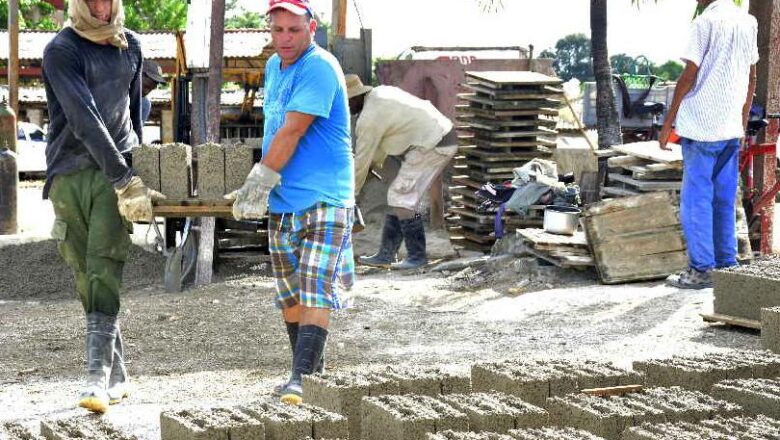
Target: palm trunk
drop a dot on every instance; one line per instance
(607, 122)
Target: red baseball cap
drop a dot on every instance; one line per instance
(297, 7)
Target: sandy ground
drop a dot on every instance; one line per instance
(225, 344)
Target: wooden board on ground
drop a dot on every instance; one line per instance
(636, 238)
(540, 237)
(647, 185)
(731, 320)
(562, 261)
(651, 151)
(645, 173)
(626, 161)
(614, 191)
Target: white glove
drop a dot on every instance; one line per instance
(134, 200)
(251, 200)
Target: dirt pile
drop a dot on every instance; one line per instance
(34, 271)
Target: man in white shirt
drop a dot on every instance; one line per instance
(710, 108)
(392, 122)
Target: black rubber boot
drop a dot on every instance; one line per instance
(101, 336)
(308, 351)
(413, 231)
(391, 242)
(118, 382)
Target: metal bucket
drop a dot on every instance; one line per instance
(561, 220)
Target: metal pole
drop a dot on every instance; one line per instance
(13, 55)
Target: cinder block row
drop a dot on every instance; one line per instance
(81, 428)
(702, 372)
(536, 380)
(744, 290)
(209, 424)
(175, 170)
(146, 163)
(239, 160)
(497, 412)
(756, 396)
(609, 417)
(395, 417)
(342, 393)
(210, 168)
(286, 422)
(770, 329)
(518, 434)
(427, 381)
(13, 431)
(756, 428)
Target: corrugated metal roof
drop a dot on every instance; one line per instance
(244, 43)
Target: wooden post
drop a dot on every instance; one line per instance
(13, 55)
(767, 12)
(339, 19)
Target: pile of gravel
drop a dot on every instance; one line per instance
(35, 271)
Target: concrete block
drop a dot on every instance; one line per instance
(756, 396)
(744, 290)
(211, 424)
(82, 428)
(718, 428)
(609, 417)
(286, 422)
(552, 434)
(342, 393)
(454, 435)
(409, 417)
(13, 431)
(770, 329)
(536, 380)
(238, 163)
(702, 372)
(497, 412)
(211, 171)
(428, 381)
(175, 170)
(146, 163)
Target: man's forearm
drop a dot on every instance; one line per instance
(282, 148)
(749, 98)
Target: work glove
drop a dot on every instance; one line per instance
(135, 200)
(251, 200)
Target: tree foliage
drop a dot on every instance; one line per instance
(33, 14)
(236, 17)
(571, 57)
(155, 15)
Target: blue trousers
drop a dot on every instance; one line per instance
(708, 200)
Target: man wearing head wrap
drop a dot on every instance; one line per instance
(92, 72)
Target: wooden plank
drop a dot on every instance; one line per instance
(509, 105)
(731, 320)
(516, 133)
(608, 152)
(648, 185)
(664, 166)
(662, 198)
(539, 236)
(205, 263)
(625, 161)
(617, 192)
(613, 391)
(512, 77)
(650, 150)
(644, 173)
(506, 114)
(540, 144)
(492, 124)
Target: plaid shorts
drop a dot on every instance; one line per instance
(311, 257)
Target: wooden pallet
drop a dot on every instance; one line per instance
(559, 250)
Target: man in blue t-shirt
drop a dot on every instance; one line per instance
(306, 181)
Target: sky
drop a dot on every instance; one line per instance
(657, 30)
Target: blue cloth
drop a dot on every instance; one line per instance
(707, 205)
(146, 108)
(322, 168)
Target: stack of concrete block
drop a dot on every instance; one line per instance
(428, 381)
(212, 424)
(82, 428)
(287, 422)
(13, 431)
(342, 393)
(146, 163)
(770, 328)
(609, 417)
(175, 170)
(455, 435)
(757, 428)
(409, 417)
(702, 372)
(744, 290)
(239, 159)
(536, 380)
(497, 412)
(756, 396)
(552, 434)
